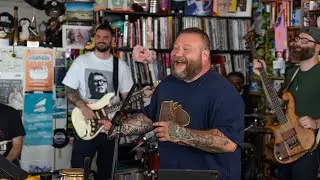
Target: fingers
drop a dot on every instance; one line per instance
(106, 124)
(162, 139)
(307, 122)
(258, 63)
(160, 123)
(161, 133)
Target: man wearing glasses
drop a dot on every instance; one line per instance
(305, 88)
(97, 85)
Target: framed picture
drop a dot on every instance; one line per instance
(75, 37)
(120, 4)
(79, 11)
(244, 8)
(199, 8)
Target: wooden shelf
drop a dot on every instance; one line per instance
(231, 51)
(212, 51)
(133, 13)
(130, 49)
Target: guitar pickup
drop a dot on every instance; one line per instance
(97, 115)
(288, 134)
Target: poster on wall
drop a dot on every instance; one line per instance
(38, 119)
(60, 101)
(11, 77)
(39, 70)
(10, 64)
(11, 93)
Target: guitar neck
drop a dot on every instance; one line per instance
(272, 96)
(135, 97)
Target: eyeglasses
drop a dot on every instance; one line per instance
(304, 40)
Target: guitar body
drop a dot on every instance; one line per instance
(292, 141)
(89, 129)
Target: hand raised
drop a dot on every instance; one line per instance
(258, 64)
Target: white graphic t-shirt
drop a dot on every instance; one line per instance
(93, 77)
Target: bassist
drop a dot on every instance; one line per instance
(305, 88)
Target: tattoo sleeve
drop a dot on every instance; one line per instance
(74, 97)
(212, 140)
(137, 124)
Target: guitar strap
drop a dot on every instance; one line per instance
(294, 75)
(115, 75)
(287, 87)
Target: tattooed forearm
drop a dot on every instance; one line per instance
(137, 124)
(212, 141)
(74, 97)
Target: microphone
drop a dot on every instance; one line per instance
(117, 119)
(144, 139)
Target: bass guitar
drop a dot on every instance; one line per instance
(291, 140)
(103, 109)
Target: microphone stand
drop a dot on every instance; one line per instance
(117, 125)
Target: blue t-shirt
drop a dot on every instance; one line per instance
(212, 102)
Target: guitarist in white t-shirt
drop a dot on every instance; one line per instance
(90, 76)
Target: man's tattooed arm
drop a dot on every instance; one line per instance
(137, 124)
(74, 97)
(213, 140)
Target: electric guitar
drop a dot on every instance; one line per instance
(292, 141)
(89, 129)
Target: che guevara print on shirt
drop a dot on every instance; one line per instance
(98, 83)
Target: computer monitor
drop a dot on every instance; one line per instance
(185, 174)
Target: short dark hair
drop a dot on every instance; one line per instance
(105, 27)
(204, 36)
(236, 74)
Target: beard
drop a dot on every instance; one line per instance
(102, 47)
(190, 69)
(303, 53)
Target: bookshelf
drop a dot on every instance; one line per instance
(164, 28)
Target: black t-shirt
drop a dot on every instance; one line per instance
(10, 127)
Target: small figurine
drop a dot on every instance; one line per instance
(279, 65)
(25, 33)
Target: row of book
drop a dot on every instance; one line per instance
(150, 32)
(146, 74)
(160, 32)
(292, 10)
(226, 63)
(224, 34)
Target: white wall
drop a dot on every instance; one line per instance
(24, 10)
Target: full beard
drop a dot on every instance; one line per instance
(303, 53)
(103, 48)
(190, 70)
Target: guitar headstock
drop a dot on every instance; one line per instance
(250, 42)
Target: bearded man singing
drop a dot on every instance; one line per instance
(203, 129)
(305, 89)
